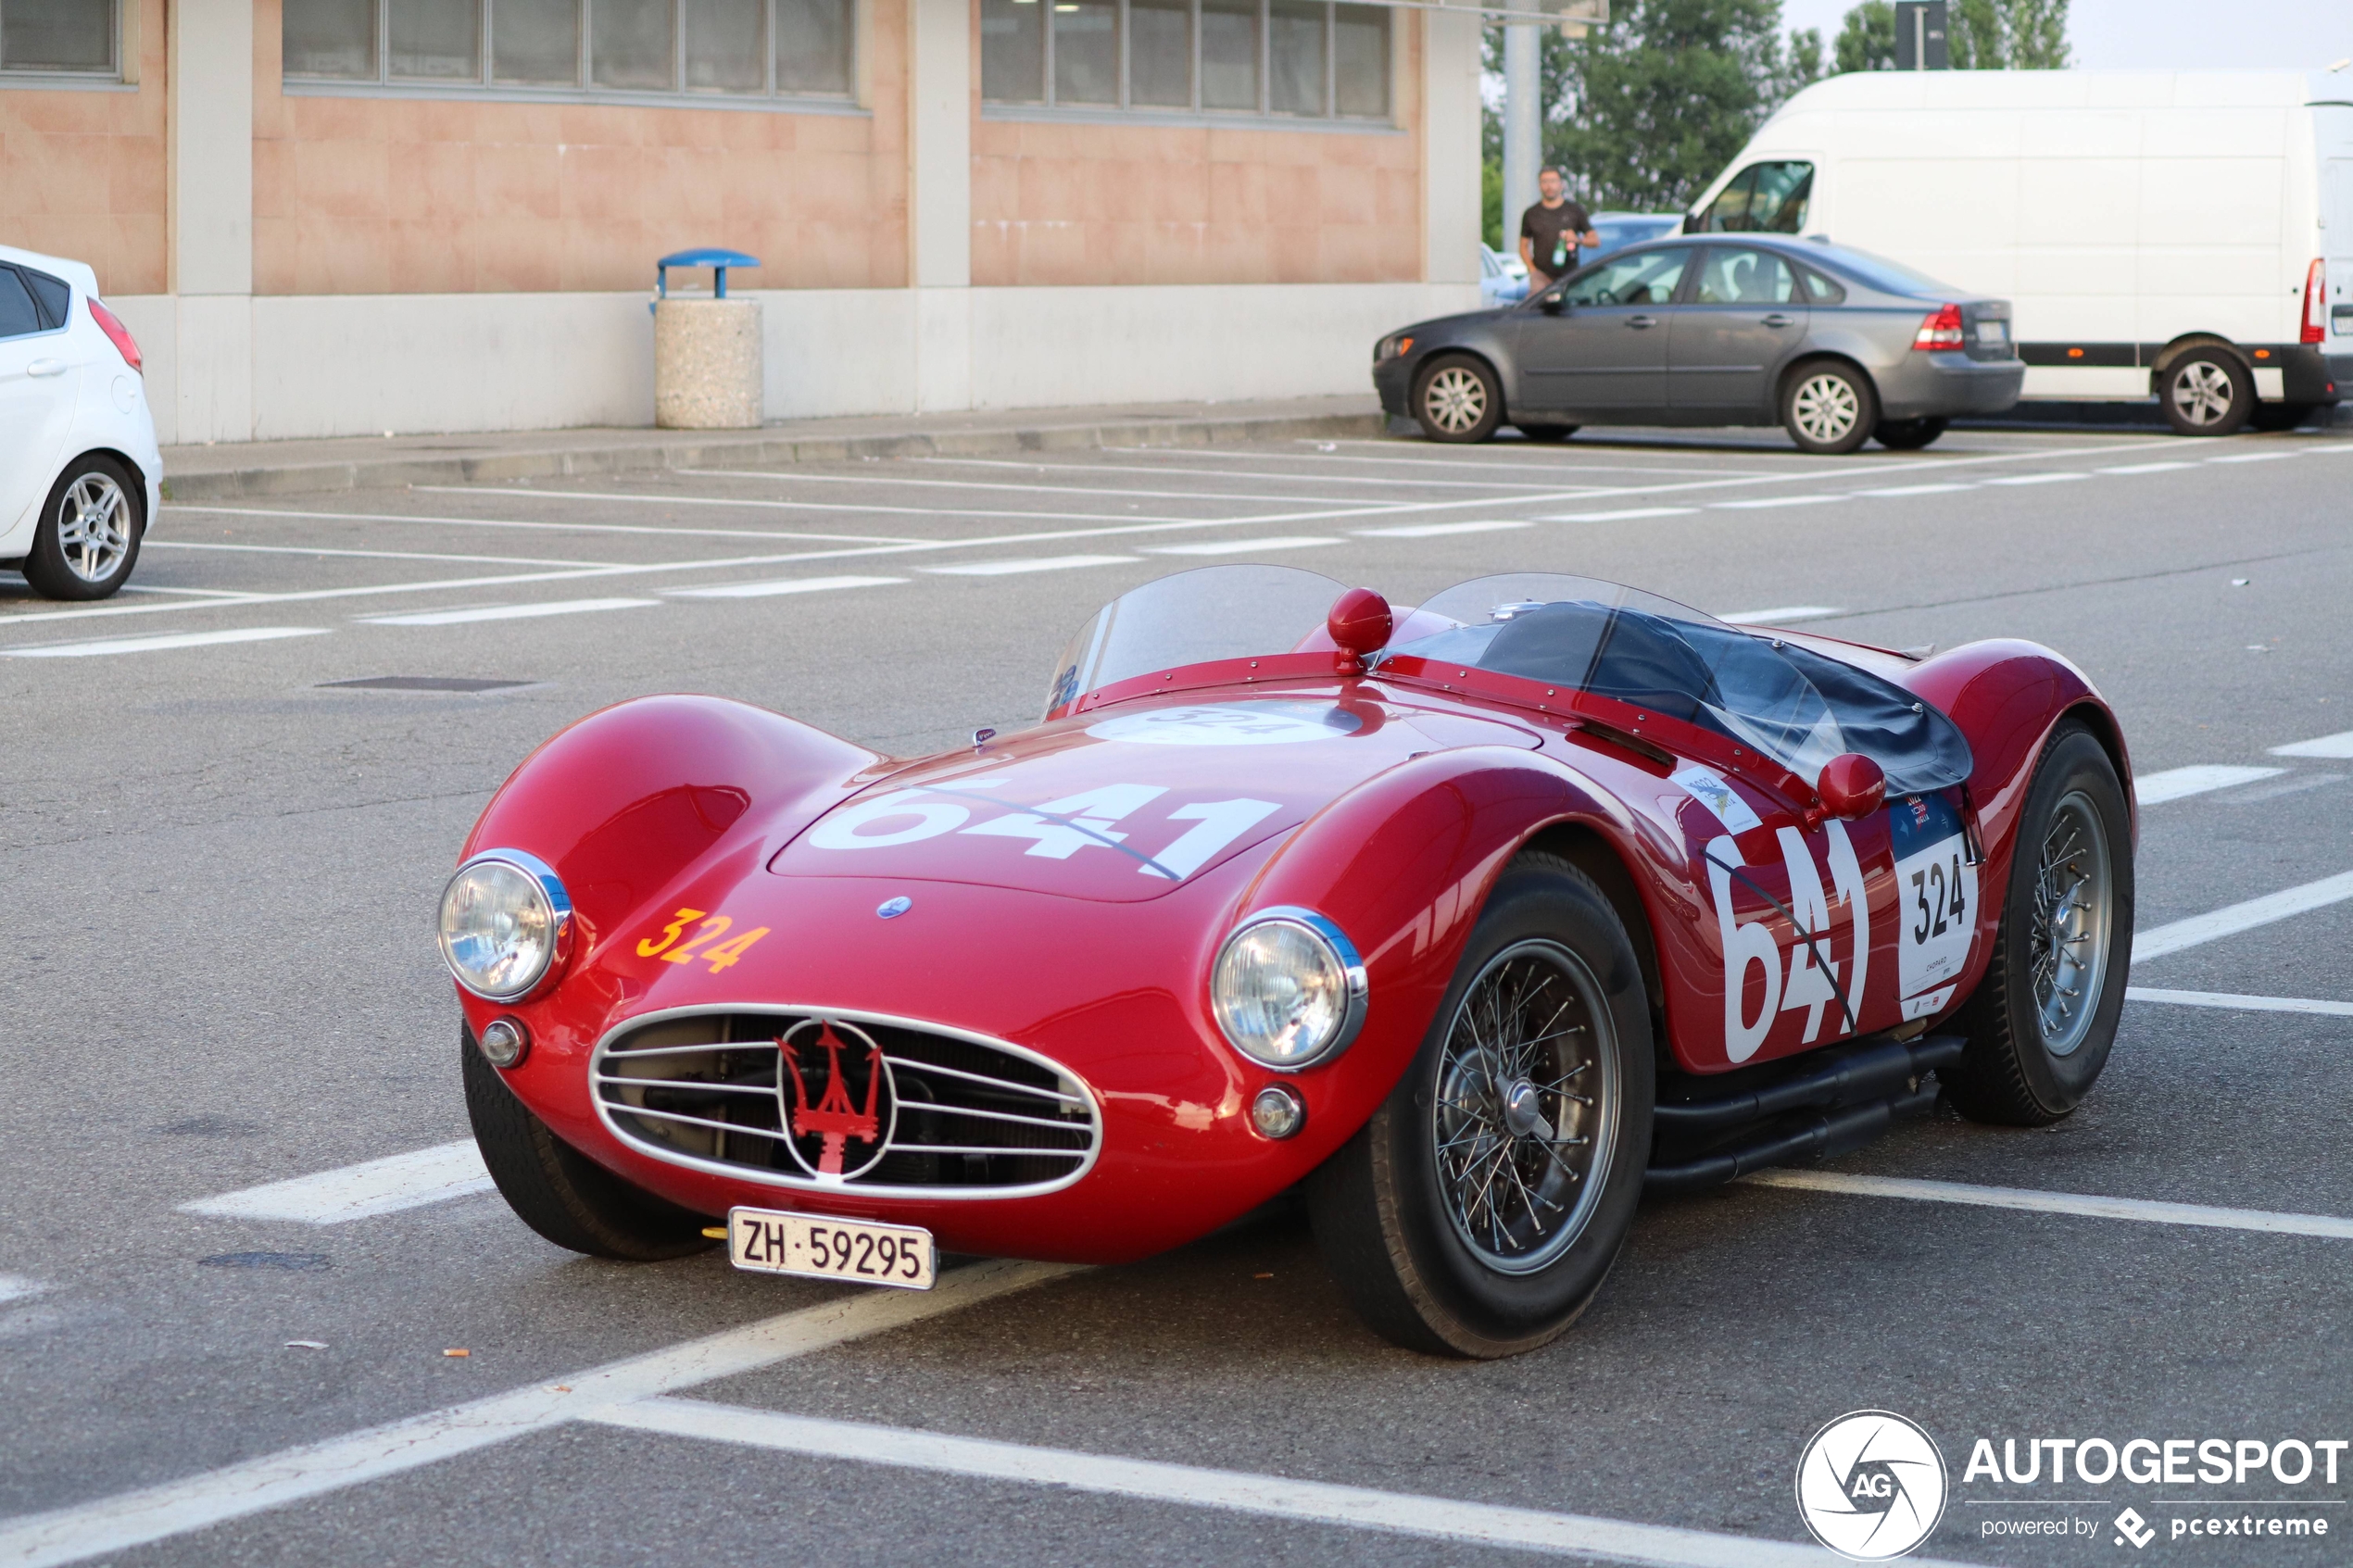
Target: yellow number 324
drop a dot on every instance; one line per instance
(668, 948)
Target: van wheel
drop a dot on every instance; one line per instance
(1457, 399)
(2207, 392)
(1909, 435)
(1830, 408)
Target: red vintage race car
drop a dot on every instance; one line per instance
(1476, 921)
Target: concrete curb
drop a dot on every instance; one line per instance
(753, 448)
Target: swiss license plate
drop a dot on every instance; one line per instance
(768, 1241)
(1992, 332)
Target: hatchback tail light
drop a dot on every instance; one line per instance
(2316, 303)
(116, 333)
(1941, 331)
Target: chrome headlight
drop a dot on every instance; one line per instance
(1288, 988)
(506, 924)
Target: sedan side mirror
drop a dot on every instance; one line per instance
(1553, 305)
(1851, 787)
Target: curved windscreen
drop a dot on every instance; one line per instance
(1192, 618)
(1796, 707)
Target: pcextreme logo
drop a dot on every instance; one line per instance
(1871, 1485)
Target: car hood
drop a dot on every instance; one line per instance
(1456, 323)
(1129, 802)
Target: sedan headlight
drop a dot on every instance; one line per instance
(1391, 346)
(506, 924)
(1288, 988)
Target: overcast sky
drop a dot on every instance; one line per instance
(2182, 34)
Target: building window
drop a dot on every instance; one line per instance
(1308, 59)
(58, 37)
(696, 48)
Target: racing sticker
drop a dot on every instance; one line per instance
(1231, 723)
(1710, 790)
(1811, 981)
(1936, 894)
(1055, 830)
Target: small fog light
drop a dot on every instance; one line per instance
(1277, 1112)
(506, 1043)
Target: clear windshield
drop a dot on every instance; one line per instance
(1192, 618)
(1794, 706)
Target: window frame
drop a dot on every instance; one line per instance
(1262, 117)
(112, 76)
(583, 88)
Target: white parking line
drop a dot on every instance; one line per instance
(505, 612)
(668, 499)
(1916, 489)
(2229, 921)
(174, 1507)
(1764, 502)
(1624, 515)
(1246, 473)
(358, 1192)
(1036, 489)
(2336, 745)
(158, 643)
(678, 531)
(2176, 784)
(1780, 617)
(2236, 1003)
(16, 1287)
(2252, 457)
(1032, 563)
(1242, 546)
(2145, 467)
(1439, 530)
(357, 555)
(2081, 1205)
(2060, 478)
(1264, 1496)
(779, 585)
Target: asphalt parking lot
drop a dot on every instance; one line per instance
(220, 861)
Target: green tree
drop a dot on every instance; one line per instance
(1644, 111)
(1866, 38)
(1979, 35)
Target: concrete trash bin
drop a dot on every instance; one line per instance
(707, 355)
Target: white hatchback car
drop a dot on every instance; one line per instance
(80, 474)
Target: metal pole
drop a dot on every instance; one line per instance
(1523, 126)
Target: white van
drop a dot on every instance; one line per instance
(2182, 235)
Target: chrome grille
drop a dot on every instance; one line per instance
(971, 1117)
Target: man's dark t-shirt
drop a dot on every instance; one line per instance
(1548, 226)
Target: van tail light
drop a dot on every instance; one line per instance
(1941, 331)
(116, 333)
(2316, 303)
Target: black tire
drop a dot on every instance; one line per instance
(2277, 417)
(1829, 407)
(1909, 435)
(1546, 432)
(87, 540)
(560, 1192)
(1457, 399)
(2205, 391)
(1383, 1219)
(2020, 1069)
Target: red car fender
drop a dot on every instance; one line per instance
(1402, 864)
(2008, 697)
(630, 797)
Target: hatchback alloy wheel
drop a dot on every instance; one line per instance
(93, 527)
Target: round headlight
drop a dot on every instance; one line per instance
(506, 922)
(1288, 988)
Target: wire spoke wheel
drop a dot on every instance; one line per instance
(2074, 905)
(1825, 408)
(93, 527)
(2202, 391)
(1455, 400)
(1525, 1107)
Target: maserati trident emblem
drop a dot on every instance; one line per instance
(853, 1100)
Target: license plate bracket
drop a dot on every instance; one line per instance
(775, 1241)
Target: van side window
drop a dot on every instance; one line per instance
(1764, 198)
(1823, 291)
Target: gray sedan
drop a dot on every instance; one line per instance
(1837, 346)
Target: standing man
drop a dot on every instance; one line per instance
(1552, 229)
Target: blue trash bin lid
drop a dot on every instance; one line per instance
(709, 256)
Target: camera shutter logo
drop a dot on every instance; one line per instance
(1871, 1485)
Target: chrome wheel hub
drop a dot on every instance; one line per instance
(93, 527)
(1524, 1112)
(1826, 408)
(2074, 905)
(2202, 392)
(1455, 400)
